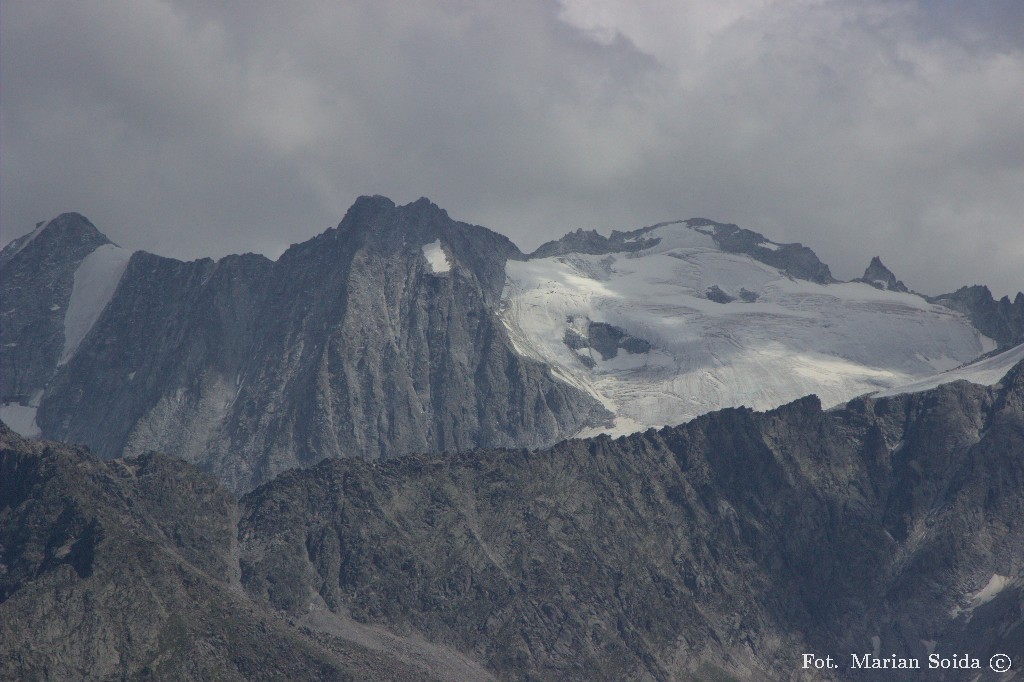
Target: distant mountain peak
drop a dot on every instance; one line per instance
(796, 260)
(881, 277)
(67, 229)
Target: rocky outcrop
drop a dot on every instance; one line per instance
(881, 277)
(350, 345)
(1000, 320)
(592, 243)
(795, 259)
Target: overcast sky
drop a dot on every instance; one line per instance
(202, 128)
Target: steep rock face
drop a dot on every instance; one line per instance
(1000, 320)
(351, 344)
(129, 570)
(877, 275)
(724, 547)
(162, 367)
(36, 278)
(721, 549)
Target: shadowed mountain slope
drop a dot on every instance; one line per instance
(720, 549)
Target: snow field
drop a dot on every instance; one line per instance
(837, 341)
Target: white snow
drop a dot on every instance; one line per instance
(20, 418)
(96, 280)
(987, 372)
(436, 257)
(996, 584)
(838, 341)
(771, 246)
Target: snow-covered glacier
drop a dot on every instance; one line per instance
(682, 327)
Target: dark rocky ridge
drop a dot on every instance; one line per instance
(1000, 320)
(719, 549)
(795, 259)
(348, 345)
(590, 242)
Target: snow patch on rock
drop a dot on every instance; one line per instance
(96, 280)
(436, 257)
(996, 584)
(21, 419)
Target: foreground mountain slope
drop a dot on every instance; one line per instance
(732, 543)
(724, 548)
(129, 570)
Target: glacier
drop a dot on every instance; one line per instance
(715, 329)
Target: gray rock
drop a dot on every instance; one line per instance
(748, 296)
(724, 548)
(36, 277)
(348, 346)
(130, 570)
(1000, 320)
(606, 339)
(590, 242)
(881, 277)
(715, 293)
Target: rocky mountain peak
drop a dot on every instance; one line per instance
(66, 232)
(1000, 320)
(380, 215)
(877, 275)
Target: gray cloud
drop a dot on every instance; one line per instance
(197, 128)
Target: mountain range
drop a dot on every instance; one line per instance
(404, 331)
(405, 450)
(725, 548)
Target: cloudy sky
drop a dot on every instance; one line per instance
(194, 128)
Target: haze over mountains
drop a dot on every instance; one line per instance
(404, 331)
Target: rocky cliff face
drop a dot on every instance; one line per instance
(351, 344)
(724, 547)
(721, 549)
(36, 279)
(1001, 320)
(129, 570)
